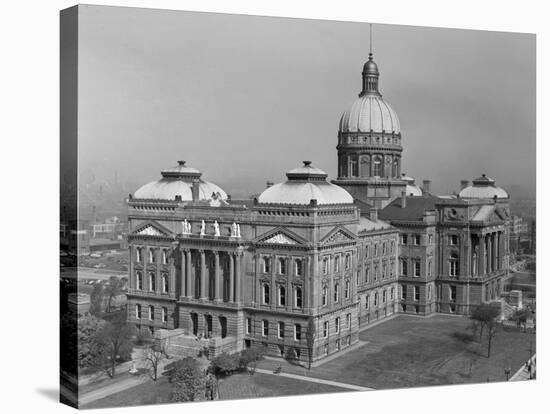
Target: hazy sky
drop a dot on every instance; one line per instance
(244, 99)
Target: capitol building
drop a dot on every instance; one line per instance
(309, 253)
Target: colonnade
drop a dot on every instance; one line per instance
(488, 256)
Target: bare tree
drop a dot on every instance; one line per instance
(310, 339)
(154, 355)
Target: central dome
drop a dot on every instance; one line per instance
(370, 113)
(303, 185)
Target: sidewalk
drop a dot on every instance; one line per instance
(523, 373)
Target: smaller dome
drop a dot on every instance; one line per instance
(483, 187)
(304, 184)
(411, 189)
(178, 181)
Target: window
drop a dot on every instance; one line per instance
(281, 349)
(431, 238)
(367, 249)
(384, 296)
(429, 292)
(429, 267)
(139, 258)
(138, 311)
(152, 281)
(384, 270)
(337, 264)
(151, 256)
(298, 297)
(378, 166)
(367, 302)
(348, 261)
(265, 328)
(151, 313)
(375, 273)
(325, 294)
(297, 332)
(375, 250)
(348, 321)
(416, 239)
(164, 257)
(325, 329)
(299, 267)
(384, 248)
(453, 239)
(265, 293)
(416, 267)
(139, 280)
(367, 275)
(164, 283)
(392, 246)
(164, 315)
(453, 265)
(338, 344)
(392, 264)
(325, 265)
(403, 239)
(392, 293)
(403, 292)
(376, 299)
(336, 292)
(248, 325)
(417, 293)
(282, 266)
(282, 296)
(267, 264)
(325, 349)
(452, 293)
(404, 267)
(347, 289)
(281, 329)
(337, 325)
(354, 166)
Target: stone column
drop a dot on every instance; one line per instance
(238, 278)
(481, 267)
(290, 267)
(306, 287)
(217, 276)
(273, 289)
(203, 290)
(172, 274)
(189, 274)
(182, 273)
(158, 281)
(231, 277)
(131, 273)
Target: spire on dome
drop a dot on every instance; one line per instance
(370, 74)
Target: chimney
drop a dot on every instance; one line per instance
(464, 184)
(373, 214)
(403, 199)
(268, 184)
(426, 187)
(195, 190)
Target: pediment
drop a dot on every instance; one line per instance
(280, 236)
(151, 229)
(338, 235)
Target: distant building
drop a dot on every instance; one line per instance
(79, 303)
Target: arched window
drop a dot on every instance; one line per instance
(354, 166)
(367, 275)
(139, 257)
(336, 292)
(282, 296)
(384, 270)
(325, 265)
(378, 166)
(164, 257)
(152, 280)
(376, 250)
(348, 261)
(395, 168)
(265, 293)
(375, 298)
(404, 267)
(298, 297)
(151, 255)
(337, 264)
(375, 273)
(367, 302)
(325, 294)
(164, 283)
(384, 296)
(139, 280)
(347, 290)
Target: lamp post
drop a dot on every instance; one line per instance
(507, 371)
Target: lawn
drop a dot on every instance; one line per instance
(237, 386)
(410, 351)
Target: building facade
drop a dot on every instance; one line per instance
(208, 271)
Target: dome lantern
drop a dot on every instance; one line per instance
(370, 78)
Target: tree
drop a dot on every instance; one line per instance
(225, 364)
(114, 341)
(310, 339)
(154, 355)
(88, 347)
(189, 381)
(250, 355)
(113, 289)
(485, 317)
(97, 298)
(521, 316)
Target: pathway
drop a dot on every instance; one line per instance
(523, 374)
(316, 380)
(111, 389)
